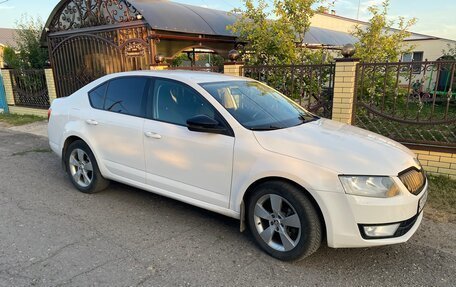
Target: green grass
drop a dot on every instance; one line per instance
(442, 199)
(19, 120)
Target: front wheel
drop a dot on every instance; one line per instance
(83, 169)
(283, 221)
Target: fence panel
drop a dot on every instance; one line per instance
(411, 102)
(312, 86)
(30, 88)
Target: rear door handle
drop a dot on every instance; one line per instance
(152, 135)
(92, 122)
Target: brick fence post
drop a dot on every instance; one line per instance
(344, 90)
(233, 68)
(6, 74)
(50, 83)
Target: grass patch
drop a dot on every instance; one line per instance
(19, 120)
(442, 199)
(37, 150)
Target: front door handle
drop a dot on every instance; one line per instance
(92, 122)
(152, 135)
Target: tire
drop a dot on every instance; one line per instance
(82, 168)
(283, 221)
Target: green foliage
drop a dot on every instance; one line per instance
(379, 41)
(19, 120)
(30, 53)
(274, 37)
(11, 58)
(450, 51)
(179, 60)
(212, 59)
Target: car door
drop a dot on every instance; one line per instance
(191, 164)
(115, 126)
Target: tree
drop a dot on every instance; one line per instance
(274, 37)
(380, 41)
(450, 52)
(30, 54)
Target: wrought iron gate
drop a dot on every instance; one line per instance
(80, 59)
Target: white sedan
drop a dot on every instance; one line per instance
(237, 147)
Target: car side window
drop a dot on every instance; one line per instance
(176, 103)
(126, 95)
(97, 96)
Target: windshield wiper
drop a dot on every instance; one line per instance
(270, 128)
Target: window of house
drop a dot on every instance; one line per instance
(414, 57)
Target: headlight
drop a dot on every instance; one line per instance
(373, 186)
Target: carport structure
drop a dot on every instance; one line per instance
(91, 38)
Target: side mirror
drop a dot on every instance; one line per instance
(205, 124)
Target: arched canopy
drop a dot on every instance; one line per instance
(164, 15)
(177, 17)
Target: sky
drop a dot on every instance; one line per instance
(435, 18)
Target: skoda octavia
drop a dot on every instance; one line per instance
(237, 147)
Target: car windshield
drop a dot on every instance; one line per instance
(257, 106)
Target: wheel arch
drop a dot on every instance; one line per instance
(251, 189)
(69, 139)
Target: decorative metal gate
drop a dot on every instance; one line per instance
(89, 39)
(312, 86)
(411, 102)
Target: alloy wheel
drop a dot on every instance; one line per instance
(277, 222)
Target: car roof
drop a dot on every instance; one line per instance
(183, 75)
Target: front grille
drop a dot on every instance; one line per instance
(413, 179)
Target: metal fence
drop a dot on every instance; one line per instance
(30, 88)
(214, 69)
(312, 86)
(411, 102)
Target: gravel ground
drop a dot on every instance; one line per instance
(52, 235)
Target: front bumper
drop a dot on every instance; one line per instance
(346, 215)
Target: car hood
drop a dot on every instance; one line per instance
(339, 147)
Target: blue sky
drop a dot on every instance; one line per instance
(436, 17)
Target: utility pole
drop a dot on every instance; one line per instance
(357, 14)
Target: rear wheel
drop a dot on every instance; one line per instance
(283, 221)
(83, 169)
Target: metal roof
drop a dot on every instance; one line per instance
(317, 35)
(172, 16)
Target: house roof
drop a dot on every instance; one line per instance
(413, 37)
(7, 37)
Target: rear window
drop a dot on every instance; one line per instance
(125, 96)
(97, 96)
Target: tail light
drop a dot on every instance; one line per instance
(49, 113)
